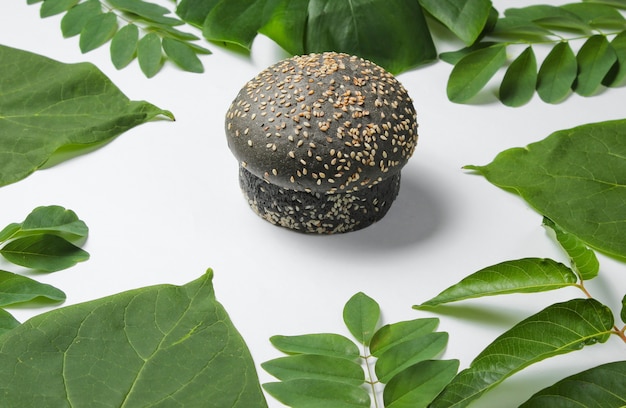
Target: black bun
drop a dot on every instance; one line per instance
(323, 124)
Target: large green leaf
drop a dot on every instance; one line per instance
(16, 288)
(584, 260)
(466, 19)
(558, 329)
(233, 21)
(7, 322)
(361, 314)
(158, 346)
(526, 275)
(575, 177)
(601, 386)
(47, 105)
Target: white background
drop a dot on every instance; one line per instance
(163, 204)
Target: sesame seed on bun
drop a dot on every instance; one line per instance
(321, 140)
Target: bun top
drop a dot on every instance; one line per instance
(323, 123)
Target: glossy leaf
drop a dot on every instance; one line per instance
(48, 105)
(390, 335)
(474, 71)
(557, 73)
(526, 275)
(53, 7)
(601, 386)
(98, 30)
(309, 366)
(584, 260)
(147, 10)
(465, 19)
(74, 21)
(286, 24)
(419, 384)
(7, 322)
(47, 253)
(575, 177)
(617, 73)
(361, 314)
(595, 59)
(232, 21)
(520, 79)
(558, 329)
(16, 288)
(318, 394)
(51, 219)
(325, 344)
(182, 55)
(154, 346)
(149, 54)
(124, 46)
(407, 353)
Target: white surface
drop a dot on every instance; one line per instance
(163, 204)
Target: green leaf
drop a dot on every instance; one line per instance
(520, 29)
(182, 55)
(310, 366)
(452, 57)
(286, 24)
(584, 260)
(47, 106)
(52, 7)
(367, 27)
(617, 73)
(7, 322)
(318, 394)
(557, 73)
(16, 288)
(393, 334)
(623, 311)
(575, 177)
(195, 11)
(98, 30)
(407, 353)
(526, 275)
(520, 79)
(47, 253)
(601, 386)
(149, 11)
(324, 344)
(154, 346)
(361, 314)
(149, 54)
(597, 15)
(124, 46)
(9, 231)
(76, 18)
(52, 219)
(595, 59)
(557, 329)
(474, 71)
(232, 21)
(419, 384)
(551, 17)
(465, 19)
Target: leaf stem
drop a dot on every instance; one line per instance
(370, 375)
(620, 333)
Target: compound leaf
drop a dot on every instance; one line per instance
(419, 384)
(98, 30)
(557, 73)
(16, 288)
(47, 253)
(309, 393)
(595, 58)
(465, 19)
(601, 386)
(473, 72)
(156, 346)
(558, 329)
(361, 314)
(520, 79)
(583, 259)
(576, 178)
(47, 105)
(526, 275)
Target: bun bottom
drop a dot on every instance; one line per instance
(317, 213)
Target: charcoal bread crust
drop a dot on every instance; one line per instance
(318, 213)
(331, 126)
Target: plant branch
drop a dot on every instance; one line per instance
(370, 375)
